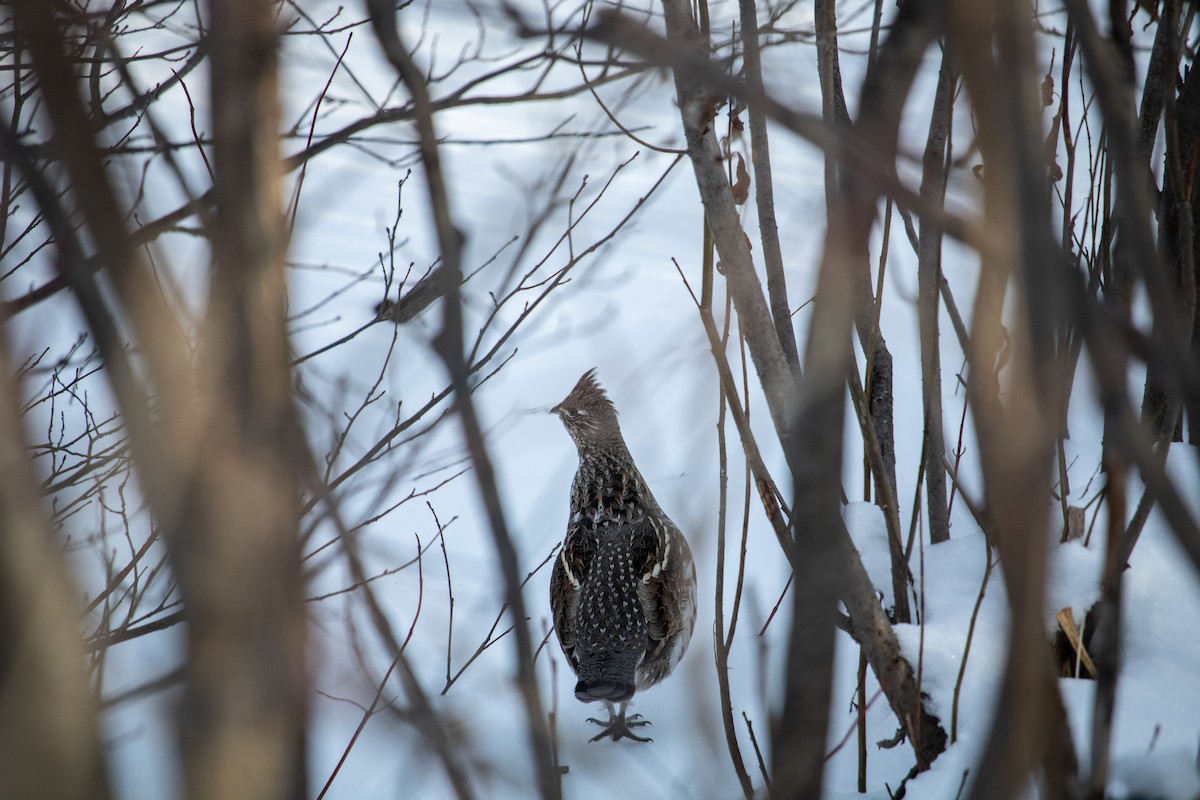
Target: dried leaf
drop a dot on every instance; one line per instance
(1075, 527)
(1050, 148)
(741, 183)
(977, 171)
(1148, 6)
(1048, 90)
(711, 106)
(1066, 623)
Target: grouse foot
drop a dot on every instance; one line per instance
(618, 726)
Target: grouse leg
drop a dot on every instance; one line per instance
(619, 726)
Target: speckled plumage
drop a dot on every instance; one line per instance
(622, 591)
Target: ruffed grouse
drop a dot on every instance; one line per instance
(623, 589)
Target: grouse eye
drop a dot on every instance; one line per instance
(566, 412)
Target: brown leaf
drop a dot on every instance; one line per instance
(741, 183)
(1051, 148)
(1075, 527)
(1047, 90)
(1148, 6)
(711, 106)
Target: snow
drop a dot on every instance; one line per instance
(1156, 730)
(1156, 774)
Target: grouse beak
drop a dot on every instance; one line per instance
(555, 409)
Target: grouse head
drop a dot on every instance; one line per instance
(587, 413)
